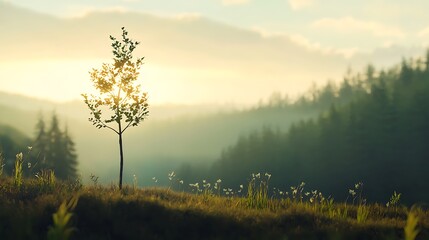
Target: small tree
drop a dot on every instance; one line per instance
(118, 92)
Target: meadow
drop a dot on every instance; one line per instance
(43, 207)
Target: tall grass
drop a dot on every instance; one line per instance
(46, 179)
(1, 164)
(18, 170)
(257, 191)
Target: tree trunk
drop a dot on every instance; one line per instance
(121, 168)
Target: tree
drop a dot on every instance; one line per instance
(55, 145)
(54, 149)
(69, 160)
(40, 145)
(118, 92)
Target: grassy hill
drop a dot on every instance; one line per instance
(154, 213)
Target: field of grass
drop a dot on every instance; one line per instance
(41, 209)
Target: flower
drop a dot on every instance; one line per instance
(219, 181)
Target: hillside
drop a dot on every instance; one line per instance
(194, 134)
(107, 213)
(12, 141)
(379, 139)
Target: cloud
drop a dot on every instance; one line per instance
(315, 46)
(234, 2)
(352, 25)
(82, 11)
(300, 4)
(310, 45)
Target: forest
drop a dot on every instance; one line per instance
(375, 130)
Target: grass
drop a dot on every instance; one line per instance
(105, 212)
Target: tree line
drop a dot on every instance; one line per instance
(51, 149)
(375, 131)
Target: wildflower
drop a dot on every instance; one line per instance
(219, 181)
(352, 192)
(302, 184)
(29, 148)
(171, 175)
(307, 193)
(181, 181)
(258, 175)
(204, 181)
(311, 200)
(281, 192)
(29, 165)
(241, 186)
(268, 175)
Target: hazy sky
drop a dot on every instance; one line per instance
(378, 29)
(345, 25)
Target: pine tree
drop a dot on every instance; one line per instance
(55, 143)
(69, 162)
(61, 154)
(40, 145)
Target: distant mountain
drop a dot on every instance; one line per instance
(12, 142)
(173, 136)
(195, 55)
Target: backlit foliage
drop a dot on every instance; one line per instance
(118, 92)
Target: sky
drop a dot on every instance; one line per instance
(353, 25)
(346, 29)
